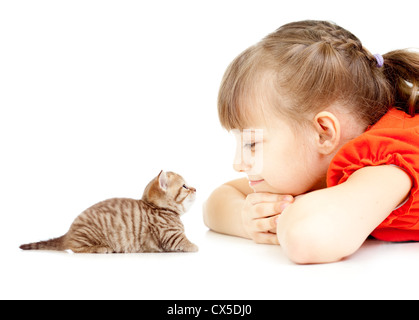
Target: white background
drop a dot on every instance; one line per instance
(96, 97)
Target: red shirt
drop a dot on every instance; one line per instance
(392, 140)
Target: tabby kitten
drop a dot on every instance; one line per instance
(122, 225)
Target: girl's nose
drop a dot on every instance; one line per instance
(239, 164)
(241, 167)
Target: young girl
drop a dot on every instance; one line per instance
(337, 130)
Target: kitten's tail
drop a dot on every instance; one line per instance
(57, 244)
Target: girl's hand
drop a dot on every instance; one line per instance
(259, 215)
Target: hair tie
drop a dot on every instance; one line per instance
(380, 60)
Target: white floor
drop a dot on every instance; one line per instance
(224, 268)
(98, 96)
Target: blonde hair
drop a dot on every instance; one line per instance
(305, 66)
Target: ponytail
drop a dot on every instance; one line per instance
(401, 68)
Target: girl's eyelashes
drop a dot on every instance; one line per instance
(184, 186)
(250, 145)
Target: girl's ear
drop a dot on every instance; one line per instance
(328, 133)
(163, 180)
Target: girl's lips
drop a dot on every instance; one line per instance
(255, 182)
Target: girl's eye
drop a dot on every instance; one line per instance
(184, 186)
(250, 145)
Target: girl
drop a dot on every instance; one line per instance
(338, 128)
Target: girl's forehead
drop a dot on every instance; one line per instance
(259, 121)
(265, 128)
(255, 116)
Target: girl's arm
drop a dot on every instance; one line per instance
(330, 224)
(234, 209)
(222, 210)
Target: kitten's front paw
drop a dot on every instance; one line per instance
(193, 248)
(190, 247)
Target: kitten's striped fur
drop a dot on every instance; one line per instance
(122, 225)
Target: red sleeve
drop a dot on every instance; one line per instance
(399, 147)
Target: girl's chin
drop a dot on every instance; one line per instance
(267, 188)
(263, 187)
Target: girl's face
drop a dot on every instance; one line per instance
(277, 160)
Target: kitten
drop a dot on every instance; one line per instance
(122, 225)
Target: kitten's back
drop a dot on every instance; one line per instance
(119, 224)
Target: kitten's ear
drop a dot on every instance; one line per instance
(163, 180)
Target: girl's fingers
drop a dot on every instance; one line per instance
(255, 198)
(267, 209)
(265, 238)
(264, 225)
(259, 215)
